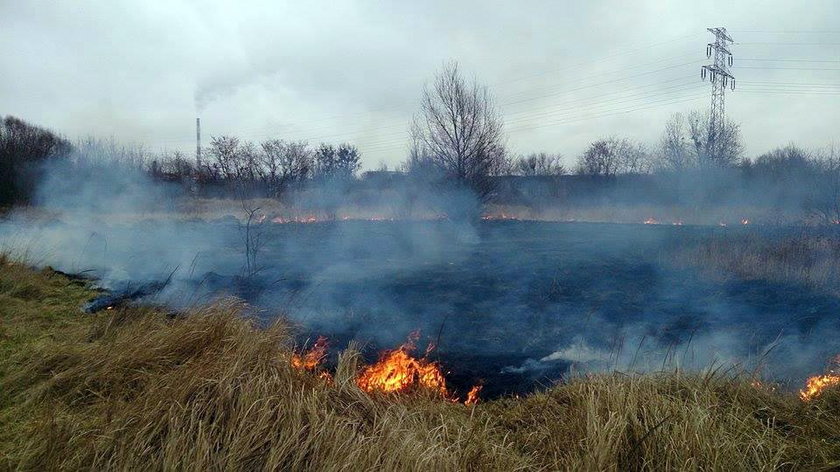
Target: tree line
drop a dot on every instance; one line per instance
(457, 139)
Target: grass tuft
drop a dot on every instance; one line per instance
(135, 389)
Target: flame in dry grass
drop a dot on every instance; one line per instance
(396, 371)
(311, 359)
(472, 395)
(815, 385)
(399, 371)
(651, 221)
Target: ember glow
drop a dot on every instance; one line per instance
(399, 371)
(311, 359)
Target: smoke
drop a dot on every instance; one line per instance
(513, 302)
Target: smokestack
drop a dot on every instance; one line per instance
(198, 142)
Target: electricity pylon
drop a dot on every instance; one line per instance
(720, 78)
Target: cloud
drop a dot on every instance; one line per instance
(353, 71)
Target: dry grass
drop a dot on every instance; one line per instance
(807, 259)
(133, 389)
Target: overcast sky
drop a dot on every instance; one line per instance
(563, 73)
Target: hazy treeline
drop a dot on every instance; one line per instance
(458, 148)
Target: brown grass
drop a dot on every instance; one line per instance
(133, 389)
(812, 260)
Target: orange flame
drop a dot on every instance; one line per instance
(472, 395)
(816, 384)
(311, 359)
(399, 371)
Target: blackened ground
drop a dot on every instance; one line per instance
(497, 297)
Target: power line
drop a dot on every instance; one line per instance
(788, 68)
(786, 44)
(784, 60)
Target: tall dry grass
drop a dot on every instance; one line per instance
(808, 259)
(133, 389)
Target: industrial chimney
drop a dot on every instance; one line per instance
(198, 143)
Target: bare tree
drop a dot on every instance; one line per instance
(598, 159)
(285, 163)
(676, 153)
(337, 163)
(688, 142)
(539, 164)
(826, 205)
(611, 156)
(714, 148)
(460, 131)
(224, 153)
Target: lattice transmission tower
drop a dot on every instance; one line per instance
(720, 77)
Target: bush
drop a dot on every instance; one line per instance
(23, 148)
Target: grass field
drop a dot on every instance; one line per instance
(134, 388)
(512, 303)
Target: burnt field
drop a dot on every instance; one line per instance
(513, 304)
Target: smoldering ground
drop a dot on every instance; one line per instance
(514, 303)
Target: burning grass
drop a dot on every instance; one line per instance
(136, 389)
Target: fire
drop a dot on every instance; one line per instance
(816, 384)
(745, 221)
(311, 359)
(399, 371)
(396, 371)
(677, 223)
(651, 221)
(472, 395)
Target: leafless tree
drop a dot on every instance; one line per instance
(611, 156)
(676, 153)
(539, 164)
(688, 142)
(460, 131)
(722, 149)
(285, 163)
(336, 163)
(224, 154)
(826, 207)
(598, 159)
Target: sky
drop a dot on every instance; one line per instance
(562, 73)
